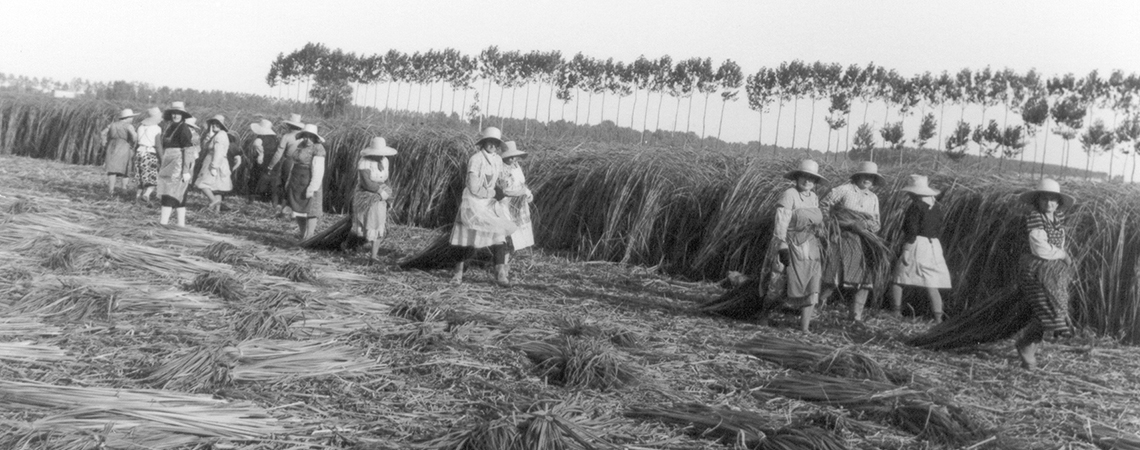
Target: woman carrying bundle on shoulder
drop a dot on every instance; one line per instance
(921, 263)
(176, 166)
(214, 176)
(855, 207)
(1046, 269)
(146, 155)
(306, 178)
(119, 138)
(482, 221)
(512, 182)
(370, 201)
(798, 222)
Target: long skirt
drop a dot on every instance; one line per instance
(312, 207)
(268, 181)
(217, 183)
(847, 265)
(171, 188)
(146, 168)
(520, 214)
(1045, 285)
(804, 270)
(118, 157)
(481, 223)
(369, 215)
(927, 266)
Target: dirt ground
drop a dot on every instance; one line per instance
(433, 358)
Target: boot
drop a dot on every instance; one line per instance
(164, 215)
(180, 214)
(502, 275)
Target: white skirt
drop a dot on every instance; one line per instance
(927, 266)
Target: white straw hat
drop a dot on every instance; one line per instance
(871, 169)
(154, 116)
(177, 107)
(378, 147)
(295, 121)
(218, 120)
(262, 128)
(1047, 186)
(920, 185)
(807, 167)
(126, 113)
(311, 129)
(490, 133)
(192, 123)
(512, 151)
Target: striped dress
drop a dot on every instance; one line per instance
(1045, 276)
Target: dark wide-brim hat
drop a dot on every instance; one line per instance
(1047, 186)
(177, 107)
(807, 167)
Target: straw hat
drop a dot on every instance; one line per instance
(1047, 186)
(920, 185)
(512, 151)
(126, 113)
(176, 107)
(807, 167)
(490, 133)
(153, 116)
(262, 128)
(193, 123)
(218, 120)
(310, 129)
(870, 169)
(378, 147)
(295, 121)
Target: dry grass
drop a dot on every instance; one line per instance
(743, 429)
(579, 363)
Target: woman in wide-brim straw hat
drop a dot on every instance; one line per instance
(1046, 269)
(119, 140)
(798, 222)
(263, 181)
(179, 151)
(482, 221)
(214, 177)
(370, 200)
(519, 197)
(306, 178)
(281, 165)
(146, 154)
(855, 208)
(921, 262)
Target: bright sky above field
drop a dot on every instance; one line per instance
(229, 45)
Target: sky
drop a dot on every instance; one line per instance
(229, 45)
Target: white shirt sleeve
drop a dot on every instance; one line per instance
(1040, 247)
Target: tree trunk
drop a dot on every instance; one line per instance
(515, 90)
(549, 103)
(795, 115)
(633, 110)
(431, 98)
(499, 110)
(1045, 147)
(720, 126)
(941, 117)
(776, 141)
(526, 104)
(704, 116)
(760, 134)
(589, 107)
(577, 97)
(811, 127)
(399, 87)
(660, 100)
(1132, 178)
(602, 113)
(676, 114)
(828, 149)
(689, 117)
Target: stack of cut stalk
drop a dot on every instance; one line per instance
(926, 415)
(78, 417)
(812, 358)
(744, 428)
